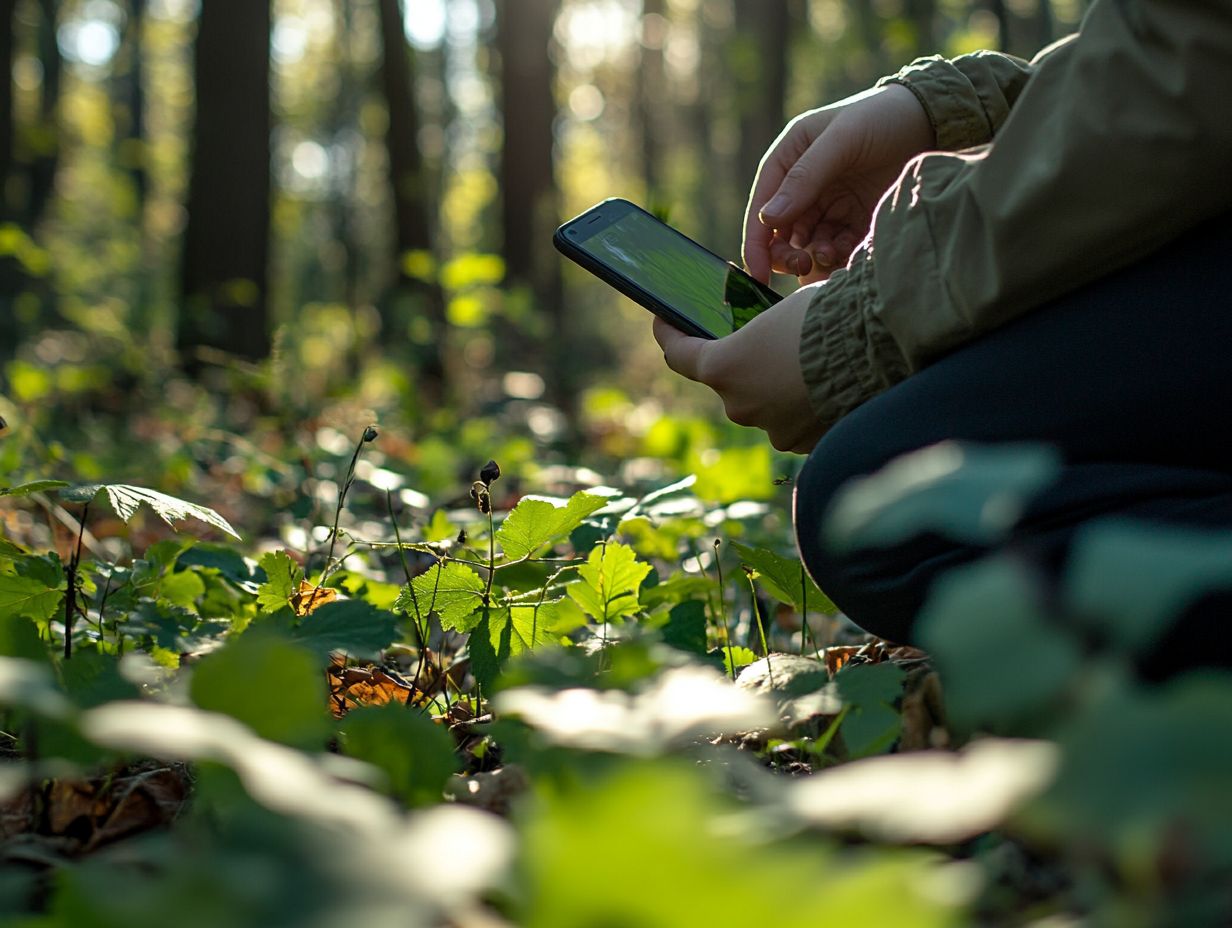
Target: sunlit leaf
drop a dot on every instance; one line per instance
(28, 596)
(785, 579)
(125, 500)
(610, 579)
(282, 579)
(37, 486)
(454, 591)
(534, 523)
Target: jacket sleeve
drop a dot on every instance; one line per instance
(968, 98)
(1117, 143)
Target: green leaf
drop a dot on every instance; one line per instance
(785, 579)
(92, 678)
(37, 486)
(126, 499)
(535, 522)
(227, 561)
(1131, 581)
(609, 584)
(969, 493)
(686, 627)
(29, 596)
(505, 632)
(415, 754)
(283, 576)
(1003, 661)
(736, 657)
(349, 625)
(452, 590)
(868, 690)
(273, 686)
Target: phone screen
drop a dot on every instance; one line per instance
(712, 293)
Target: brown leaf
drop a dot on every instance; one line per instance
(311, 598)
(365, 686)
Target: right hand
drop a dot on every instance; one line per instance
(817, 187)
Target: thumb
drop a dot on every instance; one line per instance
(681, 352)
(804, 181)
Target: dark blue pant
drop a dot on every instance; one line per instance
(1129, 376)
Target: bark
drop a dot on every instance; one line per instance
(763, 36)
(530, 204)
(45, 159)
(226, 243)
(413, 218)
(651, 80)
(7, 9)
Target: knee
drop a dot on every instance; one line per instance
(879, 590)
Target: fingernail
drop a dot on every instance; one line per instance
(800, 264)
(777, 204)
(824, 259)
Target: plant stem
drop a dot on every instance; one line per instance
(70, 594)
(761, 629)
(342, 492)
(718, 569)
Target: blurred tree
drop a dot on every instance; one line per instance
(129, 102)
(7, 10)
(759, 57)
(414, 219)
(226, 242)
(651, 89)
(530, 205)
(45, 137)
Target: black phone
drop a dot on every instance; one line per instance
(663, 269)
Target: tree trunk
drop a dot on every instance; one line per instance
(761, 43)
(651, 80)
(130, 102)
(530, 205)
(7, 9)
(45, 159)
(412, 211)
(224, 280)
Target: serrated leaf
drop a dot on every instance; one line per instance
(505, 632)
(785, 579)
(28, 596)
(609, 584)
(36, 486)
(126, 499)
(452, 590)
(535, 522)
(283, 577)
(349, 625)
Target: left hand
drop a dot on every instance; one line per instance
(755, 371)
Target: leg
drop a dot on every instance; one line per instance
(1127, 376)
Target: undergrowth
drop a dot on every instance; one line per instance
(614, 706)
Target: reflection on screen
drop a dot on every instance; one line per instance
(699, 285)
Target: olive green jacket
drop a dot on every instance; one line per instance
(1052, 173)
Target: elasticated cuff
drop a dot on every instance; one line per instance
(953, 106)
(846, 355)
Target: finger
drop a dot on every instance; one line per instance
(803, 182)
(775, 164)
(681, 352)
(788, 260)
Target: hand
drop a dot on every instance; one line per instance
(756, 371)
(817, 187)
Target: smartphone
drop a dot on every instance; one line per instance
(662, 269)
